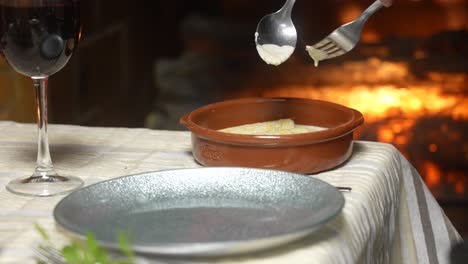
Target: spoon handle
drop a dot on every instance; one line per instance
(286, 10)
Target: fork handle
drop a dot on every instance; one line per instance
(374, 7)
(386, 3)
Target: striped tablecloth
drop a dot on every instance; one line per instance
(389, 217)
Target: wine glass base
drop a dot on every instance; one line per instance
(44, 186)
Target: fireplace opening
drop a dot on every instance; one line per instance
(408, 76)
(424, 114)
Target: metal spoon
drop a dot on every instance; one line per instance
(276, 36)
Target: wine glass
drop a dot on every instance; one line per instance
(37, 38)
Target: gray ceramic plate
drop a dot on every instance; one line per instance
(209, 211)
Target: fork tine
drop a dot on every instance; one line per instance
(48, 249)
(322, 43)
(336, 53)
(328, 47)
(39, 257)
(332, 49)
(49, 254)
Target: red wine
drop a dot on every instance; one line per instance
(38, 37)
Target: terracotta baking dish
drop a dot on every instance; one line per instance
(305, 153)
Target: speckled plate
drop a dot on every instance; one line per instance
(210, 211)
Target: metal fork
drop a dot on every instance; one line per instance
(344, 38)
(49, 254)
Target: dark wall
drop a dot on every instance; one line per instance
(110, 80)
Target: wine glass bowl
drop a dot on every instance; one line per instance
(37, 39)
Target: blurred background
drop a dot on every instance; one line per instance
(146, 63)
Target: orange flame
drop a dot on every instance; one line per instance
(383, 89)
(390, 98)
(432, 174)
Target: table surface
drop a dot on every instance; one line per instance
(389, 217)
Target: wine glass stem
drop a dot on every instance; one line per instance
(44, 166)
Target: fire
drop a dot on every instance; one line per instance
(381, 101)
(455, 13)
(395, 131)
(432, 174)
(396, 105)
(457, 179)
(384, 89)
(349, 12)
(460, 187)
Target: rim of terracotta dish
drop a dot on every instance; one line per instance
(272, 140)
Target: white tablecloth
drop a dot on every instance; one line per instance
(389, 217)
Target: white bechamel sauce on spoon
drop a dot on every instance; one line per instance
(316, 54)
(274, 54)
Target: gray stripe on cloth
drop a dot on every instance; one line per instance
(415, 228)
(439, 229)
(424, 212)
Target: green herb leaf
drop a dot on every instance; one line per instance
(90, 252)
(42, 231)
(124, 245)
(72, 254)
